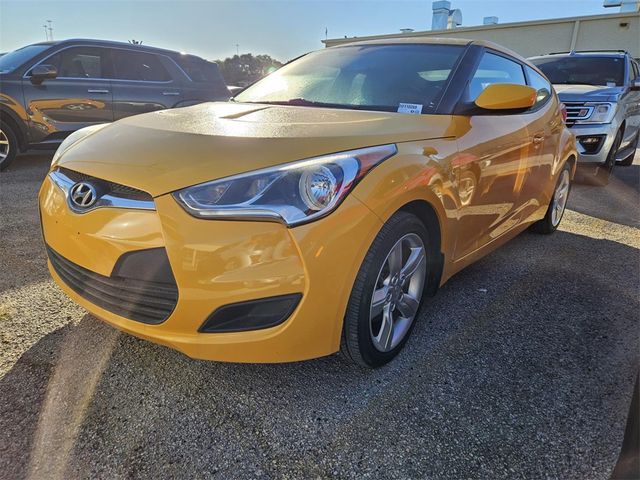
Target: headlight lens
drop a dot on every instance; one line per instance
(602, 113)
(292, 193)
(74, 138)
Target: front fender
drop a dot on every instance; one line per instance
(420, 171)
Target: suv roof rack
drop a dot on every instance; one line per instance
(571, 52)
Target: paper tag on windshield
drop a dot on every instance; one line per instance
(611, 84)
(414, 108)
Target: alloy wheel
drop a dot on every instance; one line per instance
(4, 146)
(397, 292)
(560, 198)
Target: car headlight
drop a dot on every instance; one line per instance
(601, 113)
(74, 138)
(292, 193)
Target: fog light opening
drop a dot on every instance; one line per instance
(251, 315)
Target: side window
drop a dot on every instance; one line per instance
(197, 69)
(636, 70)
(81, 62)
(494, 69)
(541, 84)
(140, 66)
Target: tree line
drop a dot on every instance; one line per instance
(242, 70)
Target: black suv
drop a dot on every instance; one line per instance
(49, 90)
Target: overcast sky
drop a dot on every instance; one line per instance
(282, 29)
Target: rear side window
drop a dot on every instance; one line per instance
(197, 69)
(541, 84)
(140, 66)
(494, 69)
(81, 62)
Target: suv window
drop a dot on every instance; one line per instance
(141, 66)
(12, 60)
(494, 69)
(81, 62)
(541, 84)
(636, 71)
(197, 69)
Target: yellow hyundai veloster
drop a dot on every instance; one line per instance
(313, 212)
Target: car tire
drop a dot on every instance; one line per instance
(558, 204)
(603, 171)
(627, 162)
(395, 270)
(8, 145)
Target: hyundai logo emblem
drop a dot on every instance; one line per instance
(83, 195)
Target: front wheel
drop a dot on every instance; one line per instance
(603, 171)
(8, 145)
(387, 293)
(552, 218)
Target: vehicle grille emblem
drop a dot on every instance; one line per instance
(83, 195)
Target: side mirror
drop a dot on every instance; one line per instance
(40, 73)
(635, 85)
(507, 96)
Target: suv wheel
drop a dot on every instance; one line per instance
(387, 293)
(603, 172)
(629, 160)
(8, 145)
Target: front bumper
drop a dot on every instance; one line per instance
(217, 263)
(607, 131)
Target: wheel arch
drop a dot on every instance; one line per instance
(428, 215)
(573, 162)
(8, 117)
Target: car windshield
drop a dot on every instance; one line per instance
(582, 70)
(12, 60)
(367, 77)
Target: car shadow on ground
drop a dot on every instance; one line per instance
(617, 202)
(525, 356)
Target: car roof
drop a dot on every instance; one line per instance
(436, 41)
(115, 44)
(608, 54)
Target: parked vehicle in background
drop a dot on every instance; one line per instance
(601, 91)
(49, 90)
(315, 211)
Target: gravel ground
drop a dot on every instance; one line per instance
(521, 367)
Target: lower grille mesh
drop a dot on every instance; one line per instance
(144, 301)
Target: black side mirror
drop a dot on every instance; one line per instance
(40, 73)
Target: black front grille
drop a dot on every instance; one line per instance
(112, 188)
(133, 298)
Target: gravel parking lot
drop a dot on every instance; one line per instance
(522, 366)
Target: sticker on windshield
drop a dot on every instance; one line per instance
(414, 108)
(611, 84)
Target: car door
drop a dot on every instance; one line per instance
(79, 96)
(544, 126)
(632, 129)
(494, 155)
(142, 83)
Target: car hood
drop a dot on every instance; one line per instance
(587, 93)
(164, 151)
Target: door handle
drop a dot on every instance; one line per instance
(538, 139)
(171, 93)
(97, 90)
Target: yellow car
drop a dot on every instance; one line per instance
(316, 210)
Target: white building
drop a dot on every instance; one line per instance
(617, 31)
